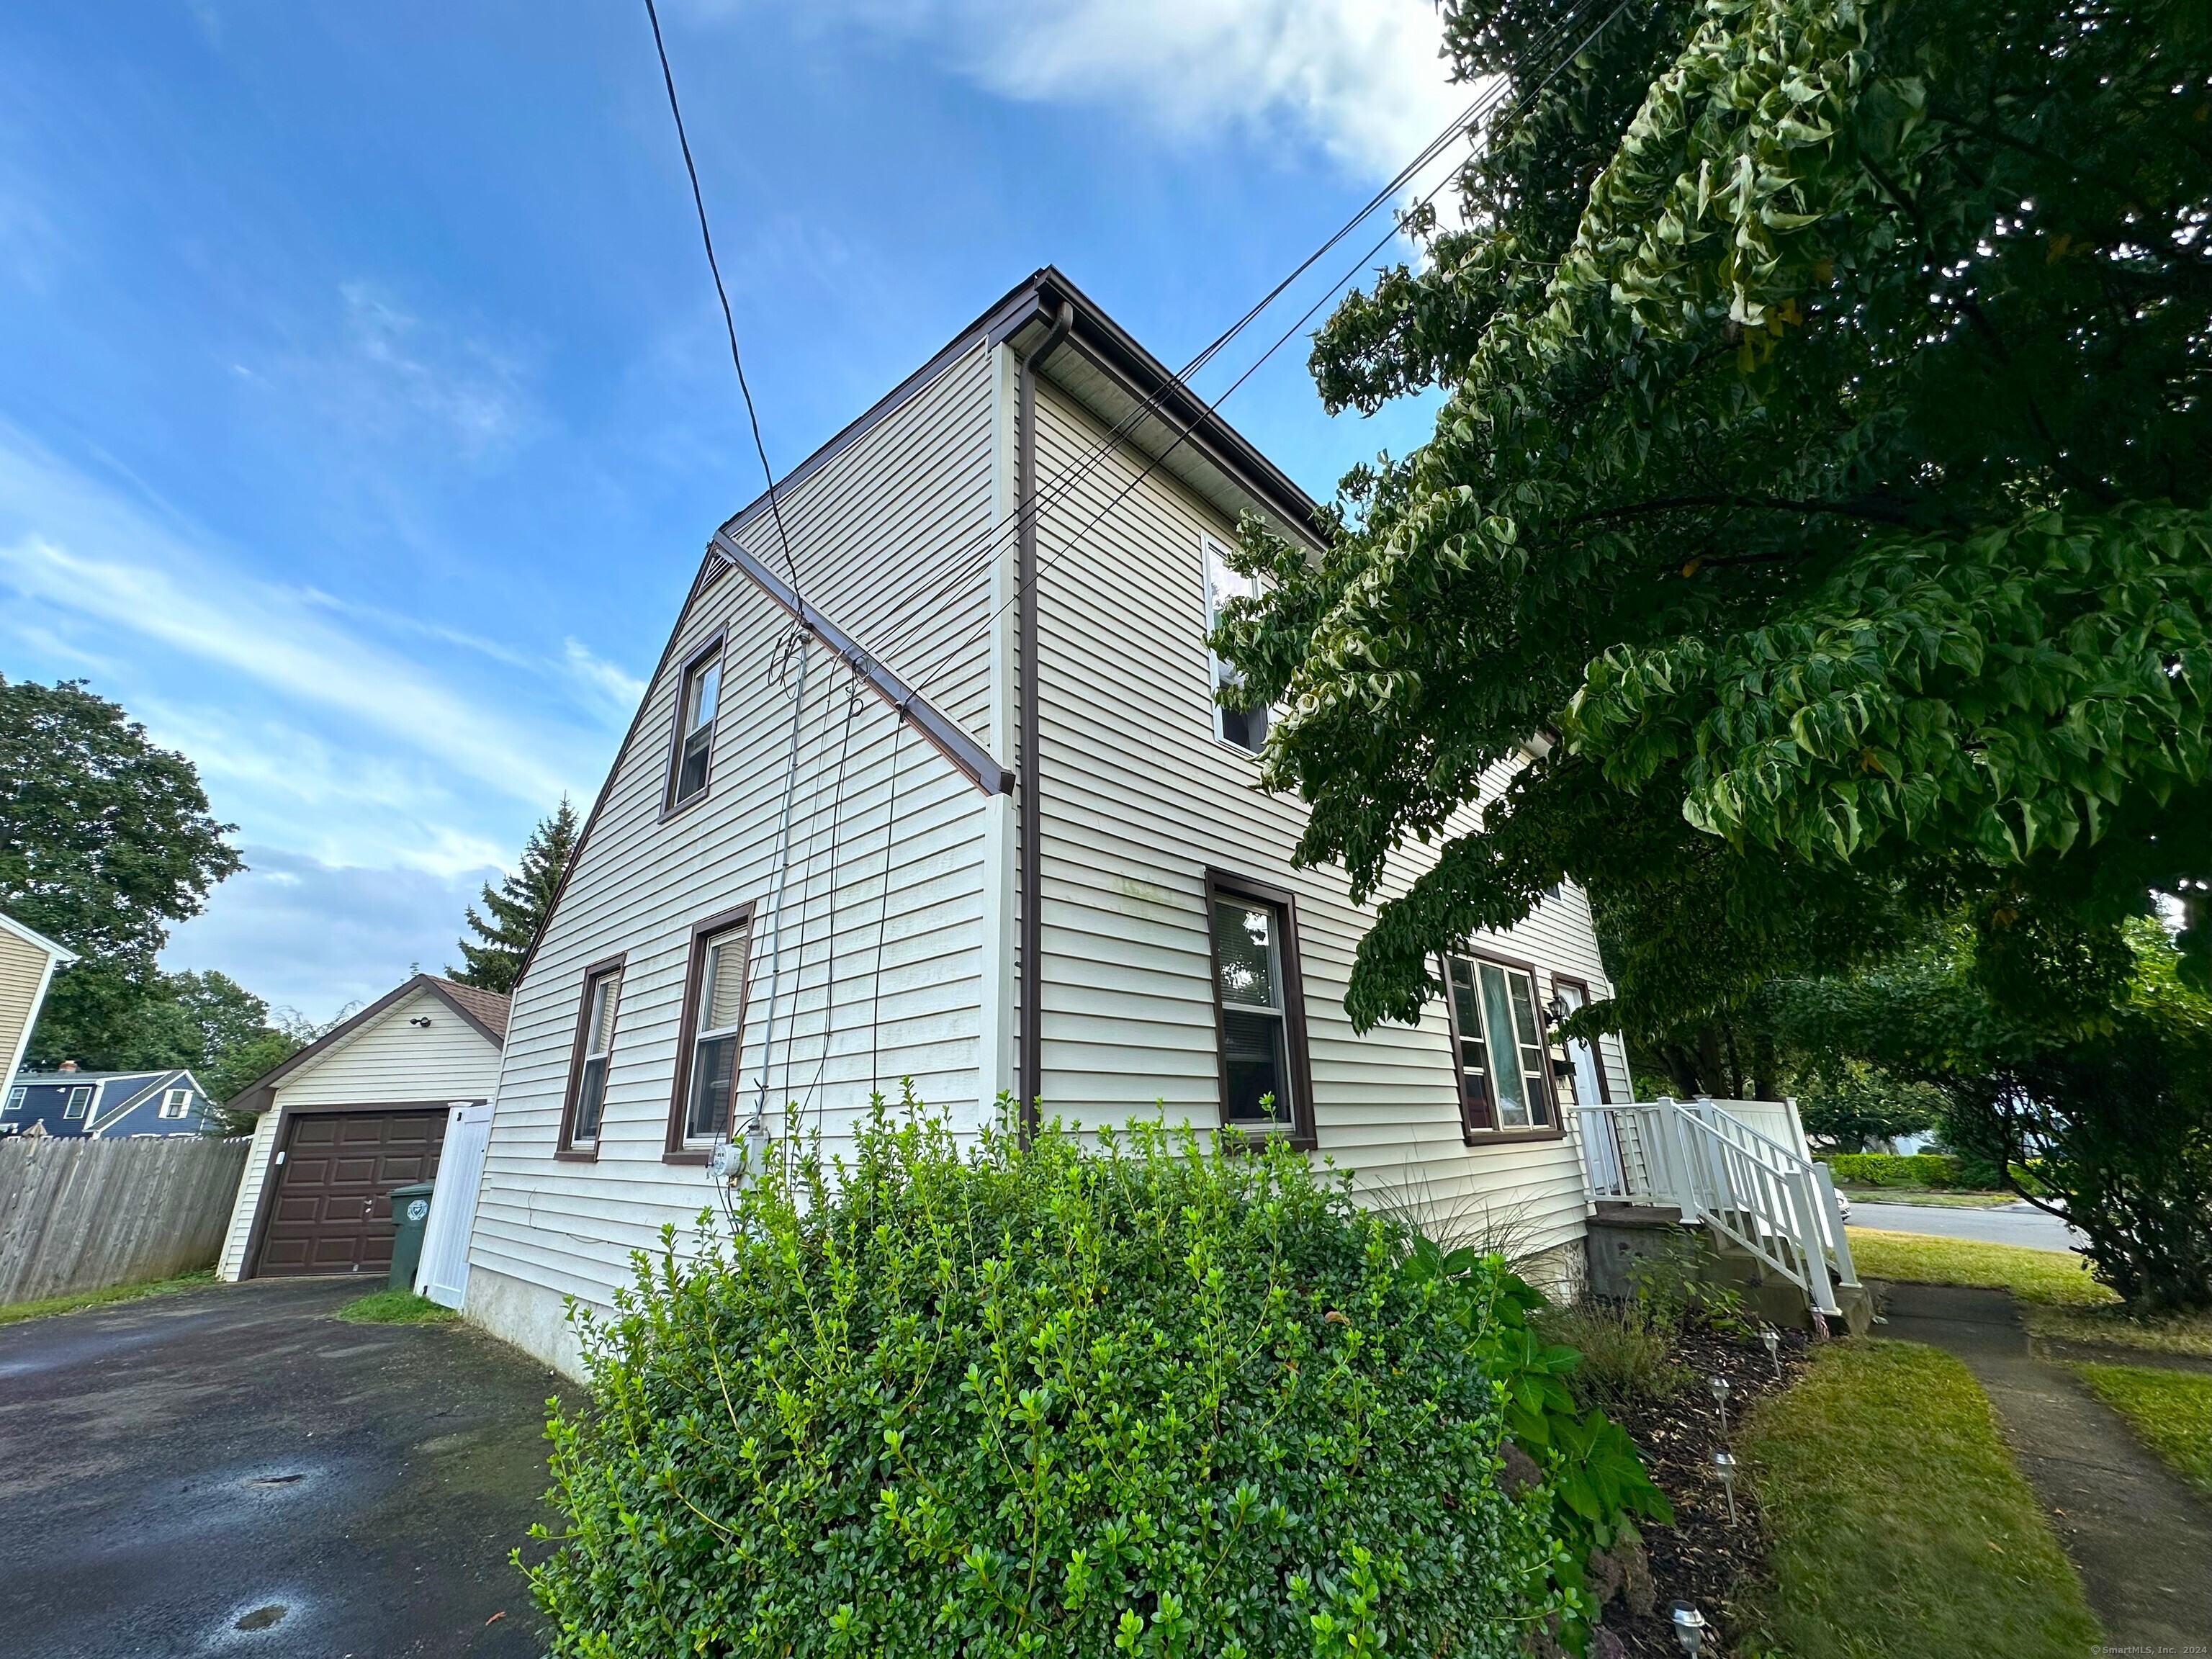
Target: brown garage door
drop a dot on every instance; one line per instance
(331, 1213)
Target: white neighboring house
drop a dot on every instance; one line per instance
(355, 1114)
(982, 824)
(28, 961)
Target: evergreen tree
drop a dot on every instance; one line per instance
(517, 905)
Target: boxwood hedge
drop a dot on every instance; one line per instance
(1146, 1396)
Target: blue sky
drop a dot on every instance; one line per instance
(363, 405)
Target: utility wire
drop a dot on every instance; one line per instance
(1207, 409)
(1485, 103)
(729, 324)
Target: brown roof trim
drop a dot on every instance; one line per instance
(255, 1097)
(1180, 421)
(970, 758)
(712, 566)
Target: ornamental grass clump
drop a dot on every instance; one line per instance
(1152, 1396)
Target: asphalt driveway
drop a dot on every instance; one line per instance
(233, 1472)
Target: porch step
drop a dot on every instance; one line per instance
(1621, 1235)
(1619, 1212)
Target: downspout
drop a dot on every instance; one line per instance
(1029, 827)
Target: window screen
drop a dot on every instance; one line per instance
(80, 1098)
(703, 684)
(710, 1107)
(602, 997)
(1248, 947)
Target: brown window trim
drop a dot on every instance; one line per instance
(1469, 1132)
(564, 1147)
(670, 806)
(673, 1149)
(1300, 1135)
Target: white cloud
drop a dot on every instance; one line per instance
(619, 690)
(1360, 78)
(363, 750)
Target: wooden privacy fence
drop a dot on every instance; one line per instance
(80, 1215)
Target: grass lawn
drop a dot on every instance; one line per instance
(2171, 1411)
(1901, 1529)
(13, 1311)
(394, 1308)
(2061, 1299)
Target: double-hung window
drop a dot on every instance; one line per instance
(1258, 1005)
(695, 725)
(173, 1102)
(705, 1106)
(1244, 727)
(80, 1101)
(16, 1100)
(595, 1047)
(1498, 1042)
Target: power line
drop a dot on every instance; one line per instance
(729, 324)
(1071, 473)
(922, 681)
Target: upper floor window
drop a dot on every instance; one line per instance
(595, 1048)
(1260, 1006)
(173, 1102)
(694, 725)
(16, 1100)
(1245, 728)
(80, 1101)
(1498, 1037)
(705, 1106)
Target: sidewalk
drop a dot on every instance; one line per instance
(2139, 1537)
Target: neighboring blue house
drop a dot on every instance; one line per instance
(108, 1105)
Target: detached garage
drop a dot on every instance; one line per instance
(360, 1111)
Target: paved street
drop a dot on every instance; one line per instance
(232, 1471)
(2020, 1224)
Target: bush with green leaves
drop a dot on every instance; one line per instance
(1884, 1169)
(1153, 1396)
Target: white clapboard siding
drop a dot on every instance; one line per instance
(386, 1062)
(899, 512)
(1140, 799)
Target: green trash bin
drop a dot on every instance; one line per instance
(411, 1215)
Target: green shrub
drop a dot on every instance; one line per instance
(1155, 1398)
(1627, 1352)
(1881, 1169)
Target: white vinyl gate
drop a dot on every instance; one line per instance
(444, 1275)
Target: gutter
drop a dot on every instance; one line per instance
(1029, 828)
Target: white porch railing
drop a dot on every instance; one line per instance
(1748, 1184)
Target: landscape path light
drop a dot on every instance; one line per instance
(1689, 1627)
(1772, 1338)
(1724, 1465)
(1719, 1385)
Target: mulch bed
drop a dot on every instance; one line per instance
(1701, 1558)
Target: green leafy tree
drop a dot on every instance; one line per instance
(2114, 1115)
(1820, 489)
(105, 841)
(1848, 1104)
(517, 905)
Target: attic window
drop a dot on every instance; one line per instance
(695, 725)
(174, 1102)
(80, 1100)
(1245, 728)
